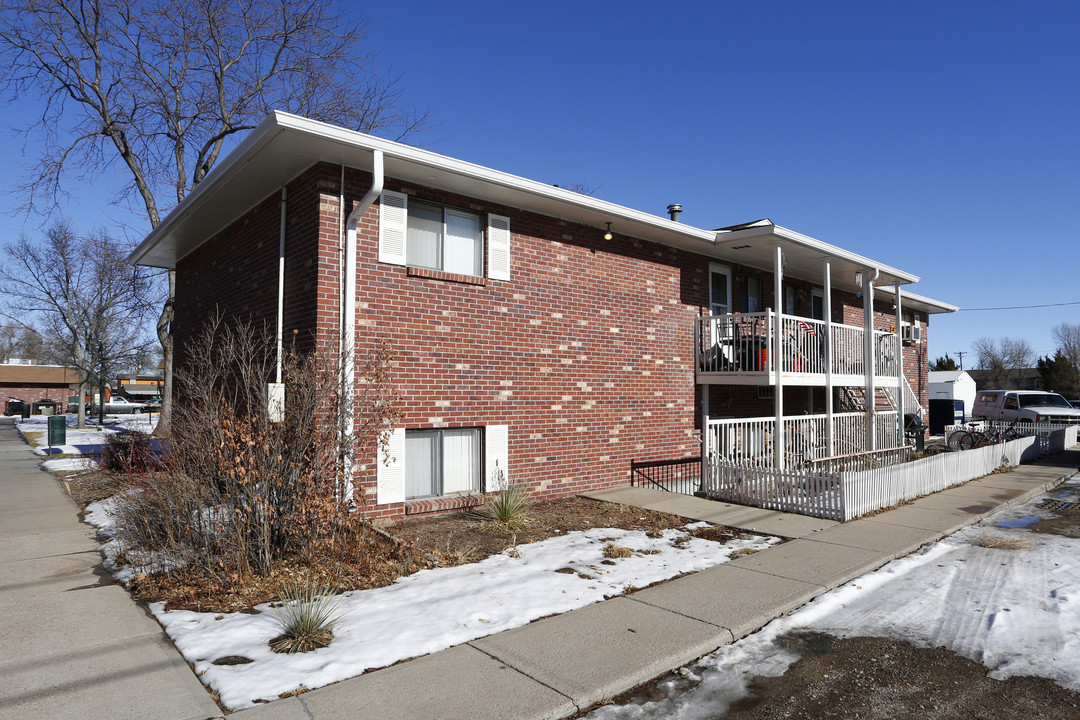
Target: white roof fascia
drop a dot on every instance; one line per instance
(267, 138)
(921, 302)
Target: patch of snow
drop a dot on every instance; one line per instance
(1015, 611)
(428, 611)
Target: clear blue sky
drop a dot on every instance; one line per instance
(942, 138)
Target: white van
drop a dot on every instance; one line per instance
(1025, 406)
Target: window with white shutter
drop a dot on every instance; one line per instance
(390, 475)
(498, 247)
(393, 227)
(497, 454)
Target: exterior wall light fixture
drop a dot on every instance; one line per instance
(607, 234)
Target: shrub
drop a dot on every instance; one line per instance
(307, 615)
(508, 506)
(239, 492)
(127, 452)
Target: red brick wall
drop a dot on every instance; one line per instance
(237, 272)
(586, 353)
(33, 393)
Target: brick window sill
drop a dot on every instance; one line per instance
(442, 504)
(449, 277)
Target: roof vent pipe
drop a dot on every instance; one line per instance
(674, 209)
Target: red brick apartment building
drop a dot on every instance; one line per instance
(553, 336)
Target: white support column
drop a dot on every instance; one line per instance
(830, 350)
(899, 340)
(869, 277)
(777, 353)
(704, 433)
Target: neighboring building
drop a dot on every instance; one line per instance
(549, 335)
(1019, 379)
(953, 385)
(34, 383)
(141, 386)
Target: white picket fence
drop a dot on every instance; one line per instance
(849, 494)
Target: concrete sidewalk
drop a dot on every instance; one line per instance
(75, 645)
(72, 643)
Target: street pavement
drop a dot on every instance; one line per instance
(73, 644)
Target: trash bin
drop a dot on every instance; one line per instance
(915, 431)
(57, 430)
(26, 411)
(45, 407)
(13, 406)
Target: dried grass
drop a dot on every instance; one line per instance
(1002, 542)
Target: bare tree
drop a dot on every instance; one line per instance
(17, 341)
(90, 307)
(1003, 359)
(163, 87)
(1067, 336)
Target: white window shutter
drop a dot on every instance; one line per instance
(497, 454)
(498, 247)
(393, 227)
(390, 474)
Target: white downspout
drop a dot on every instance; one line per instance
(281, 285)
(348, 310)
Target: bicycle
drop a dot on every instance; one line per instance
(974, 437)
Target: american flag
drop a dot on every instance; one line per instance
(808, 328)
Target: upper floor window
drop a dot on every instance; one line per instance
(751, 295)
(436, 237)
(442, 238)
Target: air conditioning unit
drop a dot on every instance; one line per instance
(911, 333)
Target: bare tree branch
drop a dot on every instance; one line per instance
(163, 86)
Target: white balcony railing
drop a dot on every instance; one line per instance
(743, 343)
(807, 438)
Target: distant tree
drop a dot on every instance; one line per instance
(19, 342)
(162, 87)
(1002, 360)
(580, 188)
(944, 363)
(1059, 375)
(90, 306)
(1067, 336)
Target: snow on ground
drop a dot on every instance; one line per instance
(429, 610)
(1015, 611)
(87, 441)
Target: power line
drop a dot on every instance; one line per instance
(1021, 307)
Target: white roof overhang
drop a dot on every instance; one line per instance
(911, 301)
(284, 145)
(754, 245)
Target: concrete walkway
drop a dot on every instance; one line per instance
(74, 644)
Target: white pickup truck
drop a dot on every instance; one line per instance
(1024, 406)
(120, 406)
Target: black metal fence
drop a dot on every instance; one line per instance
(680, 476)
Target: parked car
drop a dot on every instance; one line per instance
(1025, 406)
(153, 405)
(120, 406)
(1075, 404)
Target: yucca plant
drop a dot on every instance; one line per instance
(308, 614)
(508, 506)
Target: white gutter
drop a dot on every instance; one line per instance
(348, 308)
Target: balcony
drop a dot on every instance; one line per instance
(738, 349)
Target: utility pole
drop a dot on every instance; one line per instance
(961, 354)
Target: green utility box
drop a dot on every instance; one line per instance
(57, 430)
